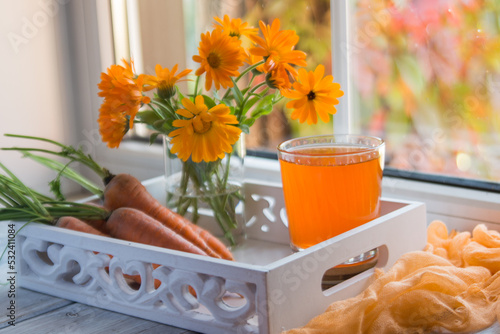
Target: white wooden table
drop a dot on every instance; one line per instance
(44, 314)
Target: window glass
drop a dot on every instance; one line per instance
(426, 77)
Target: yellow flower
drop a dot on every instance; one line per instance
(313, 95)
(277, 48)
(165, 80)
(205, 134)
(234, 27)
(220, 57)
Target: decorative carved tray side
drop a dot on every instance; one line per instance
(260, 292)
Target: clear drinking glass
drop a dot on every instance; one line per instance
(331, 184)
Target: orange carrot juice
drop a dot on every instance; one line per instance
(329, 190)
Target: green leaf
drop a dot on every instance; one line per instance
(246, 124)
(162, 126)
(148, 116)
(27, 196)
(250, 103)
(66, 171)
(209, 102)
(153, 137)
(165, 107)
(179, 93)
(245, 90)
(228, 100)
(67, 152)
(238, 96)
(264, 107)
(55, 188)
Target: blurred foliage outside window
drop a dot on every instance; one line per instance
(428, 80)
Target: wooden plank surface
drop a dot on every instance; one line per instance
(41, 313)
(28, 304)
(44, 314)
(78, 318)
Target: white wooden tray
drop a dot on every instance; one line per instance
(266, 290)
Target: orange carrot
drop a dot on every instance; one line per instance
(134, 225)
(76, 224)
(124, 190)
(212, 241)
(98, 224)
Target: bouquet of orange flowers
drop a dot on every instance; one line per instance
(240, 85)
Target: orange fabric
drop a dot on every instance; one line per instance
(452, 285)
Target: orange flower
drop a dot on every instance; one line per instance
(220, 57)
(165, 80)
(123, 96)
(313, 95)
(113, 124)
(277, 48)
(234, 27)
(278, 78)
(205, 134)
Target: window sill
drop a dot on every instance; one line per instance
(463, 208)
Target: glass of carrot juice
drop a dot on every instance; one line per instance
(331, 184)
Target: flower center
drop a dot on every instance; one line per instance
(311, 96)
(213, 60)
(201, 126)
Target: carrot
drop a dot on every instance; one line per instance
(76, 224)
(134, 225)
(212, 241)
(98, 224)
(124, 190)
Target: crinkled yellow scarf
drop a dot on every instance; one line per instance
(452, 285)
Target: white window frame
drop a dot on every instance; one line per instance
(461, 207)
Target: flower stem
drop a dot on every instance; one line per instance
(196, 87)
(183, 189)
(248, 69)
(209, 181)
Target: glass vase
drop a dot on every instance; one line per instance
(209, 194)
